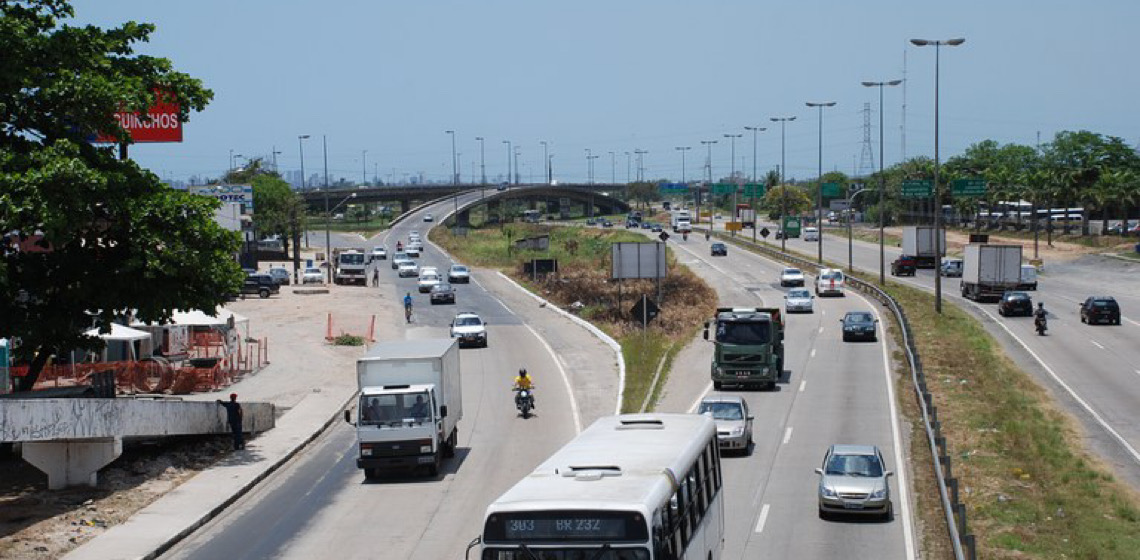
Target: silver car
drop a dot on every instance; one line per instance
(853, 479)
(799, 300)
(791, 277)
(733, 422)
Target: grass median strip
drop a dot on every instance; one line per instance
(583, 286)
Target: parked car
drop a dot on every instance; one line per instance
(1100, 309)
(261, 284)
(458, 274)
(1015, 303)
(799, 300)
(719, 249)
(427, 281)
(469, 329)
(952, 268)
(904, 265)
(442, 293)
(379, 253)
(859, 325)
(829, 282)
(733, 421)
(408, 269)
(791, 277)
(853, 480)
(312, 276)
(280, 275)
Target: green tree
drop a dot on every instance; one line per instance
(788, 199)
(89, 238)
(1076, 161)
(644, 192)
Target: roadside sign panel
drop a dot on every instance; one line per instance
(839, 204)
(638, 260)
(733, 226)
(755, 190)
(723, 188)
(830, 190)
(242, 194)
(162, 126)
(921, 188)
(968, 187)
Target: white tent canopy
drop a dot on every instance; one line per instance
(199, 318)
(119, 333)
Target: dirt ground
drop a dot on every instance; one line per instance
(38, 523)
(1060, 251)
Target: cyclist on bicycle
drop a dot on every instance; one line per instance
(408, 306)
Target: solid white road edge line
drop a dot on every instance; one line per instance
(813, 352)
(803, 384)
(565, 379)
(590, 327)
(697, 403)
(787, 435)
(1097, 344)
(904, 498)
(763, 519)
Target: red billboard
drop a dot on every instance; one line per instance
(162, 126)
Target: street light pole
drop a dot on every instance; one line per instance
(641, 163)
(752, 200)
(882, 181)
(819, 179)
(545, 160)
(589, 169)
(783, 188)
(328, 213)
(510, 150)
(732, 176)
(454, 159)
(937, 190)
(613, 168)
(683, 149)
(364, 167)
(482, 166)
(296, 260)
(708, 169)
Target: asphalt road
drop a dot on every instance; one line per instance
(319, 506)
(1094, 371)
(832, 392)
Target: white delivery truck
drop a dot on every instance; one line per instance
(918, 241)
(988, 270)
(350, 266)
(410, 405)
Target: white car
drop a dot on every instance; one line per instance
(313, 276)
(469, 329)
(412, 250)
(378, 253)
(429, 270)
(459, 274)
(791, 277)
(408, 269)
(811, 234)
(798, 301)
(829, 282)
(428, 280)
(428, 218)
(399, 258)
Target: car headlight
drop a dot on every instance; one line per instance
(737, 431)
(425, 449)
(764, 370)
(848, 328)
(719, 370)
(879, 494)
(827, 492)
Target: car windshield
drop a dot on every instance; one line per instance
(792, 271)
(799, 294)
(377, 249)
(442, 288)
(468, 322)
(833, 275)
(378, 410)
(854, 465)
(1104, 303)
(742, 332)
(722, 410)
(859, 318)
(352, 258)
(459, 269)
(312, 271)
(1016, 295)
(429, 278)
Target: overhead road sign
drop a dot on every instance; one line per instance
(968, 187)
(830, 190)
(917, 188)
(755, 190)
(723, 188)
(673, 188)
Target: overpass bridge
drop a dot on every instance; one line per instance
(546, 199)
(71, 439)
(408, 196)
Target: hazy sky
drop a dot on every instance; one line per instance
(391, 76)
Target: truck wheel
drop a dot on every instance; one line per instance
(449, 447)
(433, 469)
(717, 385)
(371, 474)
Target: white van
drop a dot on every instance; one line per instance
(811, 234)
(1028, 277)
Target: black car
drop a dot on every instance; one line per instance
(655, 228)
(719, 250)
(904, 265)
(859, 325)
(1100, 309)
(442, 293)
(607, 224)
(646, 225)
(261, 284)
(1015, 303)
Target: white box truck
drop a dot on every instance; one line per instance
(918, 241)
(988, 270)
(682, 221)
(410, 404)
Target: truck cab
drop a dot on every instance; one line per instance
(350, 266)
(749, 346)
(398, 427)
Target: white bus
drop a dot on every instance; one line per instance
(629, 487)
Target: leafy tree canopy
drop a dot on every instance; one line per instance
(88, 237)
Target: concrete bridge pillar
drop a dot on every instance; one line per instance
(405, 205)
(72, 462)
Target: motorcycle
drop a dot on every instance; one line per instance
(1040, 324)
(524, 401)
(685, 236)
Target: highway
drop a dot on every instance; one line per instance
(319, 506)
(1094, 371)
(831, 392)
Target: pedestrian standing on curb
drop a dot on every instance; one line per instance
(376, 277)
(234, 417)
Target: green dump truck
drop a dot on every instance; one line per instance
(748, 346)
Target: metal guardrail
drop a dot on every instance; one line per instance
(963, 542)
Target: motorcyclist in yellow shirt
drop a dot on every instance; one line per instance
(525, 382)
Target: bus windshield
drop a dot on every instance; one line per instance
(743, 332)
(584, 553)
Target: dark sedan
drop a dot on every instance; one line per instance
(859, 325)
(1015, 303)
(719, 250)
(905, 265)
(442, 293)
(1100, 309)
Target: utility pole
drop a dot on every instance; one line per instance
(783, 188)
(819, 179)
(364, 167)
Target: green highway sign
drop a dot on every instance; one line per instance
(830, 190)
(921, 188)
(968, 187)
(756, 190)
(723, 188)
